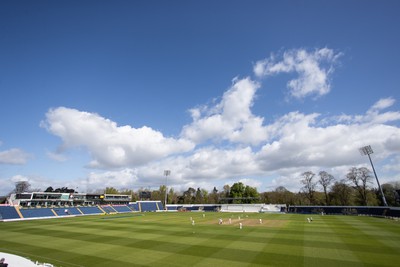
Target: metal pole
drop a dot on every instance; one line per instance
(166, 173)
(379, 185)
(166, 192)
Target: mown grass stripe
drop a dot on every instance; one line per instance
(278, 250)
(330, 248)
(169, 239)
(367, 247)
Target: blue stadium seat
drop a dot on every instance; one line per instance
(122, 208)
(134, 206)
(108, 209)
(150, 205)
(70, 211)
(90, 210)
(37, 212)
(8, 212)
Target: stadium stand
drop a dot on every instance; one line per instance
(12, 213)
(66, 211)
(8, 213)
(193, 207)
(37, 212)
(211, 208)
(122, 208)
(173, 207)
(108, 209)
(90, 210)
(231, 208)
(241, 207)
(253, 208)
(160, 205)
(146, 206)
(273, 208)
(134, 206)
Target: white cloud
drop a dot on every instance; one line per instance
(374, 115)
(314, 69)
(229, 120)
(227, 142)
(293, 143)
(393, 165)
(203, 164)
(301, 143)
(296, 143)
(111, 145)
(250, 182)
(7, 185)
(19, 178)
(289, 181)
(383, 104)
(392, 143)
(14, 156)
(125, 178)
(36, 183)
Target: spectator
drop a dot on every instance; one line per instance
(2, 263)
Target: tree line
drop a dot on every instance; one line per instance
(356, 189)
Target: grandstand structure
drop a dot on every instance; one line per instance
(51, 199)
(14, 212)
(253, 208)
(41, 205)
(193, 207)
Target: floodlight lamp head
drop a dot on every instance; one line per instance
(167, 172)
(366, 150)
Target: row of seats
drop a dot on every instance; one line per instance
(8, 212)
(13, 213)
(33, 213)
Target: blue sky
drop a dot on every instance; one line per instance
(112, 93)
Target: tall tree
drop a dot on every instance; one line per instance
(161, 193)
(325, 180)
(341, 193)
(172, 196)
(227, 190)
(189, 196)
(22, 186)
(198, 199)
(213, 197)
(283, 196)
(205, 195)
(225, 194)
(64, 190)
(158, 194)
(251, 195)
(390, 194)
(49, 189)
(309, 185)
(361, 178)
(237, 192)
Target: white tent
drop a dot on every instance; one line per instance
(18, 261)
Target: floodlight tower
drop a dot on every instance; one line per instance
(367, 150)
(166, 173)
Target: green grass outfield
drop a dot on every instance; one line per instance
(170, 239)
